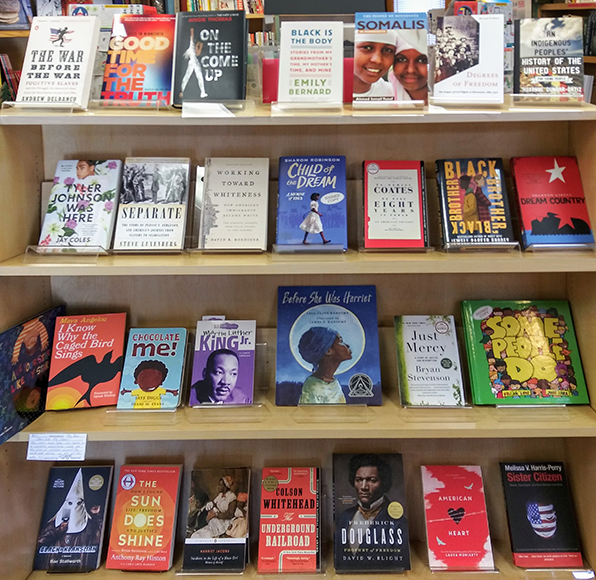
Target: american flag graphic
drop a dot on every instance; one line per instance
(59, 34)
(543, 518)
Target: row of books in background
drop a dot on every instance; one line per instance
(370, 518)
(249, 6)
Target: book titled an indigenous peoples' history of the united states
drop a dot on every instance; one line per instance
(541, 517)
(369, 502)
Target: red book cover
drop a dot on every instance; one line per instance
(456, 522)
(86, 364)
(144, 519)
(551, 202)
(289, 521)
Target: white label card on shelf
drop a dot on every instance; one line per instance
(57, 447)
(583, 574)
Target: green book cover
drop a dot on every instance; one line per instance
(523, 352)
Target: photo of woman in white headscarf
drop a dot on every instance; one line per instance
(214, 518)
(373, 57)
(409, 75)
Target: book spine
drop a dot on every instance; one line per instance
(424, 205)
(442, 209)
(516, 58)
(468, 324)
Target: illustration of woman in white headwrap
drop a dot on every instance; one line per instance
(218, 513)
(373, 57)
(409, 75)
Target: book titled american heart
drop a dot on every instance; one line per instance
(540, 514)
(289, 524)
(153, 369)
(457, 530)
(86, 361)
(144, 519)
(551, 203)
(74, 516)
(58, 65)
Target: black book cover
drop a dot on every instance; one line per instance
(209, 57)
(371, 527)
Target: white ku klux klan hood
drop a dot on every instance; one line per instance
(73, 509)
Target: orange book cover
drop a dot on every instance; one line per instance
(144, 519)
(86, 364)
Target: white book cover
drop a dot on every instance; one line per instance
(428, 363)
(58, 65)
(235, 204)
(311, 62)
(153, 202)
(469, 60)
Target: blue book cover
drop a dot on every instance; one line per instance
(153, 369)
(312, 201)
(327, 346)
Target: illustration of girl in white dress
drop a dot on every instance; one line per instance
(312, 221)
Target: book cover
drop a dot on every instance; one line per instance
(457, 530)
(473, 203)
(469, 60)
(312, 205)
(210, 57)
(289, 524)
(395, 205)
(390, 57)
(25, 351)
(311, 62)
(523, 352)
(371, 526)
(153, 202)
(549, 57)
(223, 369)
(327, 346)
(139, 62)
(73, 520)
(540, 514)
(235, 204)
(82, 207)
(153, 369)
(217, 528)
(86, 361)
(428, 364)
(58, 64)
(15, 15)
(144, 518)
(551, 202)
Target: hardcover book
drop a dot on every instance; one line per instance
(540, 514)
(457, 530)
(210, 57)
(58, 64)
(428, 365)
(289, 524)
(235, 204)
(144, 519)
(523, 352)
(217, 525)
(82, 207)
(312, 201)
(551, 203)
(473, 204)
(327, 346)
(153, 369)
(371, 527)
(224, 362)
(395, 205)
(86, 361)
(25, 351)
(73, 520)
(153, 202)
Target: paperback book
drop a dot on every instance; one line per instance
(144, 518)
(74, 516)
(523, 352)
(551, 203)
(86, 364)
(371, 526)
(457, 530)
(428, 364)
(395, 205)
(327, 346)
(289, 524)
(153, 202)
(153, 369)
(217, 530)
(540, 514)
